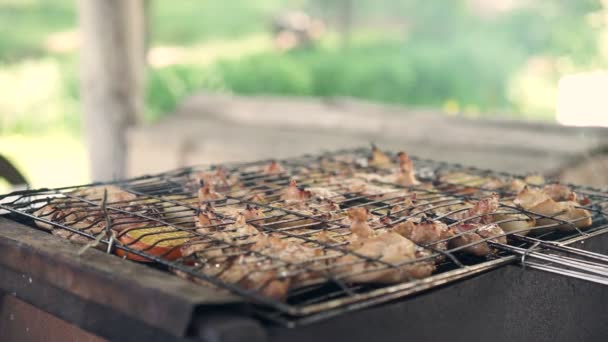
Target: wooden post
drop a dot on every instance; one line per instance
(112, 79)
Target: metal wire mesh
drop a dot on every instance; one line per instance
(301, 260)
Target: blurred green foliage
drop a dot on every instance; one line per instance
(25, 24)
(415, 73)
(435, 53)
(191, 21)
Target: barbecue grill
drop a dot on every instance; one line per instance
(128, 300)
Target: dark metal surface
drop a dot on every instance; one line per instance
(507, 304)
(120, 289)
(23, 322)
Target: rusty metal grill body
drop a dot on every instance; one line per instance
(174, 193)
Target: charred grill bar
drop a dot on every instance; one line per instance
(165, 207)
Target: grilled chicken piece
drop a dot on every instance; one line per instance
(251, 212)
(304, 202)
(207, 193)
(359, 226)
(91, 219)
(62, 210)
(360, 185)
(480, 212)
(206, 217)
(230, 238)
(475, 226)
(291, 264)
(273, 168)
(385, 246)
(294, 194)
(565, 216)
(114, 193)
(513, 221)
(218, 179)
(324, 193)
(415, 205)
(517, 185)
(240, 232)
(388, 247)
(535, 179)
(271, 265)
(541, 202)
(425, 232)
(406, 175)
(379, 159)
(559, 192)
(320, 210)
(475, 234)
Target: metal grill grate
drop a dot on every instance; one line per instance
(307, 245)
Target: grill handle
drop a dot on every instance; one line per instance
(563, 260)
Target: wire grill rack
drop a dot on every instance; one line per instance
(167, 205)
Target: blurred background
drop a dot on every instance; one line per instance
(531, 60)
